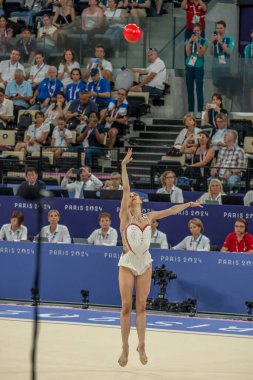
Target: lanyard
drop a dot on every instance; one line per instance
(13, 233)
(41, 67)
(237, 246)
(224, 41)
(52, 89)
(194, 241)
(77, 89)
(202, 156)
(51, 236)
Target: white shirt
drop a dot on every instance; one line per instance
(39, 73)
(248, 199)
(59, 140)
(7, 70)
(66, 74)
(78, 186)
(97, 238)
(159, 68)
(189, 244)
(60, 235)
(160, 238)
(36, 133)
(6, 109)
(176, 194)
(218, 137)
(207, 196)
(49, 31)
(6, 233)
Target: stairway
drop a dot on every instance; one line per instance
(150, 144)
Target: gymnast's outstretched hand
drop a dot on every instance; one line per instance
(128, 157)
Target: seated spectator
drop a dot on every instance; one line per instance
(105, 235)
(47, 91)
(116, 181)
(38, 71)
(196, 241)
(67, 64)
(19, 91)
(54, 232)
(155, 75)
(108, 185)
(27, 46)
(212, 110)
(138, 9)
(240, 240)
(3, 33)
(116, 117)
(230, 161)
(104, 4)
(31, 176)
(218, 136)
(87, 182)
(28, 13)
(61, 138)
(9, 67)
(78, 111)
(190, 129)
(115, 22)
(57, 109)
(46, 37)
(9, 41)
(248, 198)
(6, 109)
(36, 135)
(76, 85)
(157, 236)
(92, 18)
(168, 180)
(99, 90)
(99, 62)
(65, 14)
(202, 156)
(215, 191)
(15, 230)
(92, 138)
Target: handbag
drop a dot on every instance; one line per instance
(173, 151)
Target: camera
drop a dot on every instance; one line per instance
(76, 171)
(161, 274)
(211, 106)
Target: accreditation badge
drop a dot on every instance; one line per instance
(192, 60)
(222, 60)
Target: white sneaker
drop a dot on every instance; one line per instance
(198, 115)
(108, 155)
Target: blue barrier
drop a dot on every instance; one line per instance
(221, 282)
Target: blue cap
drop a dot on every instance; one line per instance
(94, 71)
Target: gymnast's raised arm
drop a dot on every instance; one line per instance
(126, 186)
(172, 210)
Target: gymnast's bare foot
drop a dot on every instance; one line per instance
(123, 359)
(142, 355)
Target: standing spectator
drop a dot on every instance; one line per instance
(156, 75)
(196, 241)
(9, 67)
(61, 138)
(221, 121)
(38, 71)
(27, 46)
(36, 135)
(195, 13)
(19, 91)
(67, 64)
(47, 91)
(99, 90)
(168, 180)
(31, 176)
(105, 235)
(55, 232)
(215, 191)
(212, 109)
(79, 110)
(87, 182)
(6, 109)
(92, 139)
(248, 57)
(15, 230)
(116, 117)
(222, 46)
(75, 86)
(195, 48)
(240, 240)
(230, 161)
(99, 62)
(157, 236)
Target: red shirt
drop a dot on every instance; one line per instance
(194, 10)
(233, 245)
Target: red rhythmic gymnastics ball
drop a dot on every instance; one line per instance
(132, 33)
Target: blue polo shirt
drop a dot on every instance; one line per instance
(24, 89)
(72, 90)
(101, 86)
(49, 89)
(200, 60)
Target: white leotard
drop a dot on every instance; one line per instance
(136, 242)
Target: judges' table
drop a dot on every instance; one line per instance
(221, 282)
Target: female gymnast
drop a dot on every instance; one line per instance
(135, 262)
